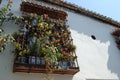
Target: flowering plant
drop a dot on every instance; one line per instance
(5, 15)
(116, 34)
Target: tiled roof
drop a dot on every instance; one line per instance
(83, 11)
(40, 10)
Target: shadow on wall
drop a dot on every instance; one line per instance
(113, 63)
(89, 26)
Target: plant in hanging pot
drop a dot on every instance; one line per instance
(33, 48)
(38, 50)
(32, 56)
(50, 56)
(32, 59)
(20, 52)
(71, 62)
(58, 55)
(68, 58)
(62, 64)
(18, 47)
(71, 47)
(116, 32)
(23, 56)
(117, 40)
(32, 45)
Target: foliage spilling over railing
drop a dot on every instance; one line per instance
(44, 45)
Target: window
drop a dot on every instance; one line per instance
(44, 45)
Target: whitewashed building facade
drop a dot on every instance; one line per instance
(97, 59)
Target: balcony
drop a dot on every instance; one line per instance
(66, 68)
(44, 45)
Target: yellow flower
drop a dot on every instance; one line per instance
(17, 17)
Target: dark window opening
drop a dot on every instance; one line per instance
(93, 37)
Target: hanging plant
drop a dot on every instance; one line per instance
(116, 34)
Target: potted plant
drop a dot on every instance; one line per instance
(31, 59)
(71, 62)
(71, 47)
(23, 54)
(116, 32)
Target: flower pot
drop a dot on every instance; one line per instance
(52, 64)
(38, 60)
(31, 59)
(60, 64)
(22, 59)
(42, 61)
(71, 64)
(63, 65)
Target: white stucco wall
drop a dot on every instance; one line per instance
(98, 59)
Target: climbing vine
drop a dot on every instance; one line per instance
(5, 16)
